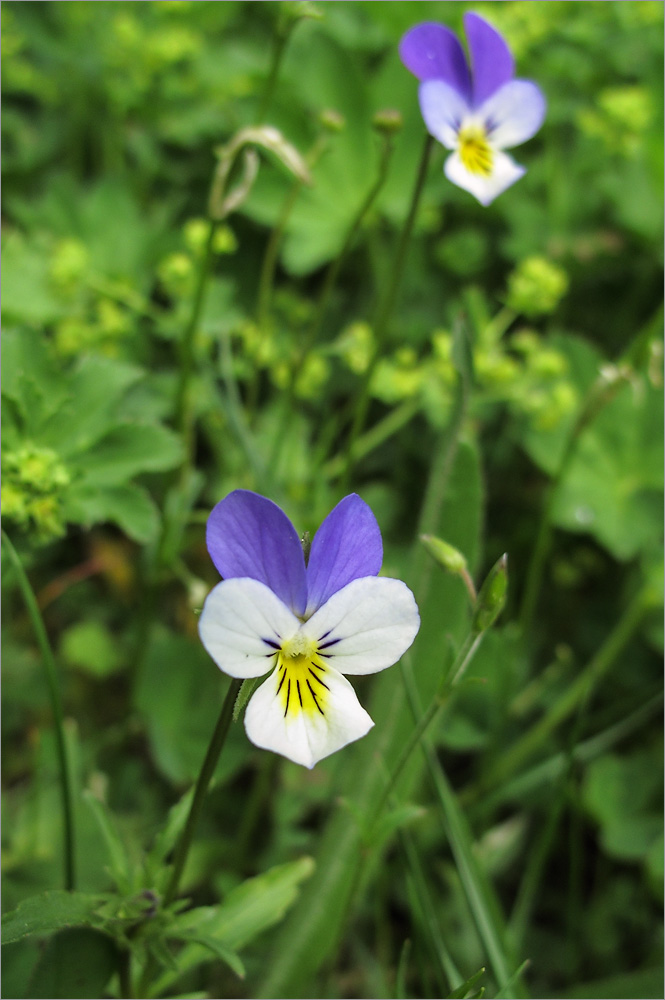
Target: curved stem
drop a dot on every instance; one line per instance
(384, 314)
(56, 705)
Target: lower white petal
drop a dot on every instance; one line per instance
(241, 625)
(484, 187)
(366, 626)
(305, 728)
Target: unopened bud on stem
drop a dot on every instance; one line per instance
(492, 596)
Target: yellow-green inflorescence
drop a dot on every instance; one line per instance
(33, 483)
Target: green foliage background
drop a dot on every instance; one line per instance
(541, 438)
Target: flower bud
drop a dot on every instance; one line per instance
(446, 555)
(492, 596)
(331, 120)
(387, 121)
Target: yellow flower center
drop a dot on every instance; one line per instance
(301, 677)
(475, 151)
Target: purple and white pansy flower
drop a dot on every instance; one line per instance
(476, 109)
(307, 622)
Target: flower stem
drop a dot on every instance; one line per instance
(478, 890)
(207, 770)
(601, 392)
(380, 326)
(573, 695)
(182, 414)
(182, 850)
(440, 701)
(56, 705)
(327, 289)
(280, 39)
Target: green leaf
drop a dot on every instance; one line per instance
(181, 715)
(251, 908)
(468, 987)
(394, 820)
(128, 506)
(30, 378)
(613, 485)
(167, 837)
(318, 225)
(623, 794)
(95, 389)
(546, 447)
(258, 903)
(76, 964)
(120, 865)
(218, 949)
(129, 449)
(51, 911)
(90, 647)
(26, 295)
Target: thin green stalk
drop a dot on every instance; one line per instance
(56, 705)
(185, 842)
(436, 707)
(380, 326)
(267, 274)
(548, 771)
(280, 39)
(333, 271)
(125, 973)
(574, 694)
(182, 418)
(329, 283)
(479, 893)
(600, 393)
(376, 435)
(207, 770)
(448, 976)
(480, 896)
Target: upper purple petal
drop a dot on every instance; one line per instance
(250, 536)
(346, 547)
(492, 63)
(432, 52)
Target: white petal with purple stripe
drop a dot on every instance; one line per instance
(242, 625)
(367, 626)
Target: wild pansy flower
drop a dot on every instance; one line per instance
(308, 622)
(476, 109)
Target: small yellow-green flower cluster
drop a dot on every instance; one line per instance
(33, 482)
(177, 271)
(97, 319)
(621, 118)
(536, 287)
(518, 369)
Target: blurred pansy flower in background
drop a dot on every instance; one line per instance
(476, 109)
(309, 622)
